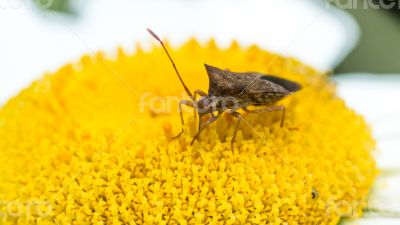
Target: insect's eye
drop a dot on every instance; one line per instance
(203, 105)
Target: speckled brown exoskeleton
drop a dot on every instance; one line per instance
(229, 91)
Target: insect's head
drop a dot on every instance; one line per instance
(210, 104)
(206, 105)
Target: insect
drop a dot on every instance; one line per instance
(229, 91)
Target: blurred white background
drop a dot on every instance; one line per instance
(33, 42)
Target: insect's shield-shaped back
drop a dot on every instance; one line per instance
(227, 83)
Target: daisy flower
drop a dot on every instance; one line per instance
(92, 144)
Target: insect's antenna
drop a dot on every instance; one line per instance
(172, 61)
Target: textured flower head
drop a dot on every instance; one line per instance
(91, 143)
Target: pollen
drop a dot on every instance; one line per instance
(92, 143)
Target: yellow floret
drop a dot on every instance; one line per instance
(92, 144)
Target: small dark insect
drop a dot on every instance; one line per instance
(314, 193)
(229, 91)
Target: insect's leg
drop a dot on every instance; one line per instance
(199, 92)
(201, 121)
(183, 102)
(203, 126)
(270, 109)
(195, 93)
(239, 117)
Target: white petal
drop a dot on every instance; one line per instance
(377, 98)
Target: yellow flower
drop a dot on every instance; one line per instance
(91, 143)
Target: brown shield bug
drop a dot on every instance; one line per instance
(229, 91)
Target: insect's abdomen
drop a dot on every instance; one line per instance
(259, 99)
